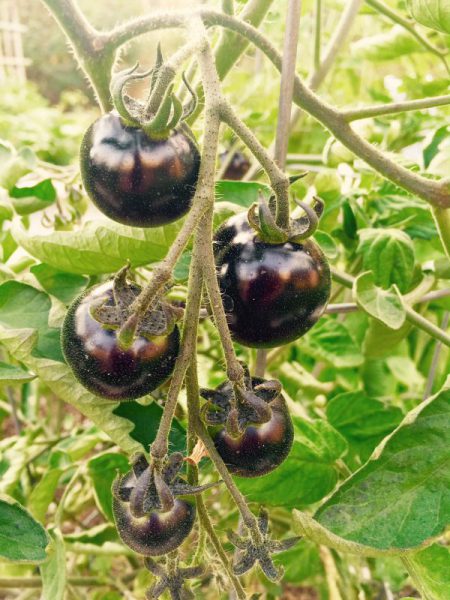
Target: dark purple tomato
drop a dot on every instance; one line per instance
(155, 533)
(136, 180)
(238, 166)
(273, 293)
(261, 448)
(92, 351)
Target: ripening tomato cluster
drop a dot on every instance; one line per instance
(273, 294)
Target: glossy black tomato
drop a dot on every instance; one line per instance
(136, 180)
(237, 167)
(273, 293)
(92, 351)
(156, 532)
(260, 448)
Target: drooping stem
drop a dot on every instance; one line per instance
(188, 344)
(235, 371)
(205, 190)
(279, 181)
(193, 395)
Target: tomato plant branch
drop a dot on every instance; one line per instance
(409, 26)
(204, 191)
(159, 446)
(411, 315)
(193, 395)
(88, 44)
(279, 181)
(379, 110)
(436, 193)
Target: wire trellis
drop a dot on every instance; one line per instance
(12, 60)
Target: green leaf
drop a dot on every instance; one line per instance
(31, 193)
(362, 420)
(431, 13)
(98, 535)
(145, 419)
(43, 492)
(100, 246)
(400, 499)
(25, 307)
(331, 342)
(405, 371)
(242, 193)
(386, 46)
(53, 571)
(430, 151)
(385, 306)
(307, 475)
(300, 562)
(389, 254)
(103, 470)
(380, 340)
(431, 567)
(22, 539)
(64, 286)
(11, 375)
(327, 243)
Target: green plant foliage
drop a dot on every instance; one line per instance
(431, 13)
(366, 482)
(399, 499)
(23, 538)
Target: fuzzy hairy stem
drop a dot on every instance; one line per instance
(278, 179)
(167, 73)
(193, 395)
(437, 193)
(159, 446)
(366, 112)
(205, 190)
(88, 45)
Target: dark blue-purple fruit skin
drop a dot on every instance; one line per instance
(260, 449)
(136, 180)
(156, 533)
(92, 351)
(273, 293)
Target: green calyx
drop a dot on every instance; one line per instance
(163, 111)
(159, 320)
(262, 219)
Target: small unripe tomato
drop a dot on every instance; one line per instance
(100, 364)
(273, 293)
(136, 180)
(261, 447)
(158, 532)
